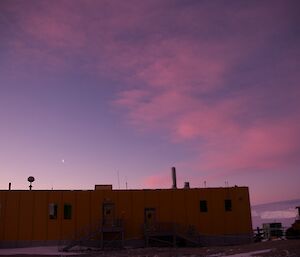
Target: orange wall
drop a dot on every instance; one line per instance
(40, 216)
(11, 216)
(24, 215)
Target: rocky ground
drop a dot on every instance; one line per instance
(284, 248)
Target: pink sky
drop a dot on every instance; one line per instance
(135, 87)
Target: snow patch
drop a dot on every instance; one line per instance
(43, 250)
(250, 254)
(282, 214)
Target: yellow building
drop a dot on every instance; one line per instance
(180, 216)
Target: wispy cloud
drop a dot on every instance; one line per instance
(189, 91)
(220, 80)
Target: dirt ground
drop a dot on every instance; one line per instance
(287, 248)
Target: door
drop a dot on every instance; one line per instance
(108, 214)
(150, 218)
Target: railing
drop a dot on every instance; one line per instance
(112, 223)
(159, 227)
(268, 233)
(95, 232)
(156, 231)
(171, 227)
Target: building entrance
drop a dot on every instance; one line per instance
(150, 217)
(108, 214)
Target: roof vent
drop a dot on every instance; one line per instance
(186, 185)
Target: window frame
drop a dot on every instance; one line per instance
(228, 205)
(203, 206)
(67, 211)
(53, 213)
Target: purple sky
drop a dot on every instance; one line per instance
(93, 89)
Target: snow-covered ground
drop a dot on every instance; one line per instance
(280, 248)
(249, 254)
(284, 212)
(43, 250)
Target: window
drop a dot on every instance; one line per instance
(52, 211)
(228, 205)
(108, 211)
(149, 214)
(67, 211)
(203, 206)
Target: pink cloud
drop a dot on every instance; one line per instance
(150, 110)
(208, 120)
(102, 30)
(171, 74)
(131, 98)
(263, 147)
(184, 66)
(179, 83)
(160, 180)
(225, 143)
(54, 31)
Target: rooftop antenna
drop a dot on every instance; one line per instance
(118, 180)
(30, 180)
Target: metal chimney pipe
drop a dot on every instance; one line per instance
(9, 186)
(174, 186)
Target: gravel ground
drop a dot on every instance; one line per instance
(284, 248)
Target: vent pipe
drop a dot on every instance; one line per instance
(174, 186)
(186, 185)
(9, 186)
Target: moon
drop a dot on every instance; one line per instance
(63, 160)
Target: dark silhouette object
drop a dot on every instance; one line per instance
(174, 186)
(30, 180)
(294, 231)
(258, 235)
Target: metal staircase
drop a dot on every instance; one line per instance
(88, 235)
(115, 230)
(171, 234)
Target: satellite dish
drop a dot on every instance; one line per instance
(30, 179)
